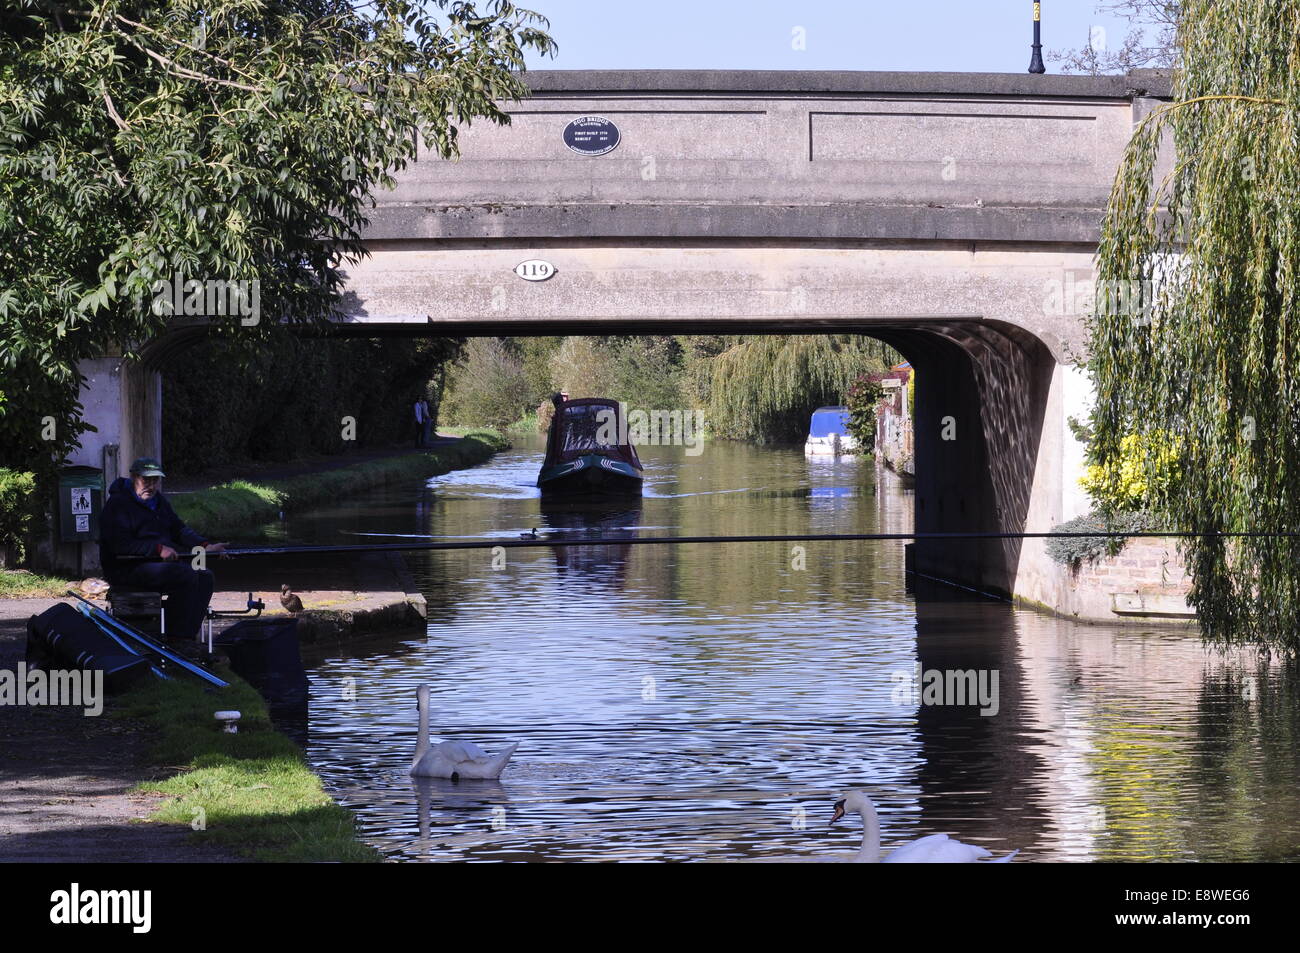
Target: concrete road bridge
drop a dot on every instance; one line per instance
(953, 215)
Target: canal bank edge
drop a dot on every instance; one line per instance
(343, 598)
(78, 789)
(241, 506)
(378, 594)
(250, 793)
(1145, 583)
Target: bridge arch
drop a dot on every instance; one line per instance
(971, 328)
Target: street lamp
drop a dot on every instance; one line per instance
(1036, 61)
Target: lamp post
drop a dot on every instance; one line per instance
(1036, 61)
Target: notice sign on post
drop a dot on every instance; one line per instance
(591, 136)
(78, 502)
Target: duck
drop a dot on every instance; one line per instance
(532, 535)
(290, 600)
(934, 849)
(456, 760)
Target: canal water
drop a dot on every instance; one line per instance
(710, 702)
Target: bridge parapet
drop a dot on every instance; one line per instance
(740, 154)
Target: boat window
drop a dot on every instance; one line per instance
(590, 428)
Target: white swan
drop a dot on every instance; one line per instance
(934, 849)
(453, 759)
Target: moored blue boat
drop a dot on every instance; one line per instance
(828, 433)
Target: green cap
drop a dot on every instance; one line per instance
(147, 466)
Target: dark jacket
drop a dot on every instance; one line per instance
(128, 527)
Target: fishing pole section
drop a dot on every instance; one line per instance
(161, 658)
(530, 541)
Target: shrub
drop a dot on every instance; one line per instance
(489, 387)
(582, 368)
(864, 396)
(1071, 550)
(545, 414)
(647, 373)
(19, 512)
(1144, 470)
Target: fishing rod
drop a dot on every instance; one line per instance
(108, 631)
(147, 644)
(557, 541)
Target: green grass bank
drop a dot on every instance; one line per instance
(240, 506)
(249, 793)
(22, 584)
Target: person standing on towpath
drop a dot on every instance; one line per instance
(419, 406)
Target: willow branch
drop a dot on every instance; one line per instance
(1162, 111)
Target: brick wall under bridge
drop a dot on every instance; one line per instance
(951, 215)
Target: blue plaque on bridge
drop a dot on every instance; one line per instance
(591, 136)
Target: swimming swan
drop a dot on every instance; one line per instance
(934, 849)
(453, 759)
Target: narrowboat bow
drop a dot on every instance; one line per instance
(588, 452)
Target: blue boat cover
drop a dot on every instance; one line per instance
(829, 421)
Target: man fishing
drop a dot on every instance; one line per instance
(144, 545)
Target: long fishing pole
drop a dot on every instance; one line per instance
(131, 650)
(558, 541)
(149, 645)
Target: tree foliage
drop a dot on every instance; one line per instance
(18, 514)
(1150, 41)
(1211, 360)
(584, 367)
(290, 398)
(212, 139)
(489, 386)
(863, 400)
(648, 372)
(765, 388)
(756, 388)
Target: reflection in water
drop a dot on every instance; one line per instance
(710, 701)
(569, 519)
(292, 718)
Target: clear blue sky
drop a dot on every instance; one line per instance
(961, 35)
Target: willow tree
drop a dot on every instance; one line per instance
(1210, 363)
(764, 388)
